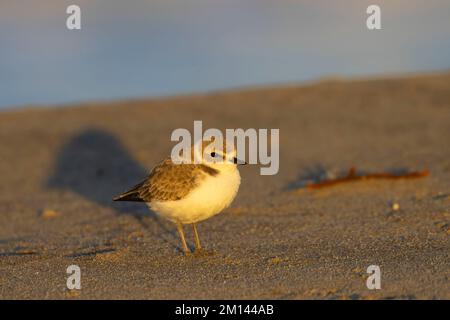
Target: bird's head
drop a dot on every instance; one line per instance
(217, 154)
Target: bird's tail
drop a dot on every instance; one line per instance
(131, 195)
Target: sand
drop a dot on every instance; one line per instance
(60, 167)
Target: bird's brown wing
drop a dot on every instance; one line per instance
(168, 181)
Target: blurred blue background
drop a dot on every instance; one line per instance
(143, 48)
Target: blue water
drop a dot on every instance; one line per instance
(143, 48)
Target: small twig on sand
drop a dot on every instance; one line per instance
(352, 176)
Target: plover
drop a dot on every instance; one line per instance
(188, 193)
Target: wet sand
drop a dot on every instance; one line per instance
(60, 167)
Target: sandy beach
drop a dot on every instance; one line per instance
(60, 168)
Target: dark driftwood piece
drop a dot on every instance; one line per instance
(352, 176)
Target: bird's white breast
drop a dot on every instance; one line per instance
(213, 194)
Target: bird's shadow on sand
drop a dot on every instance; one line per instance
(95, 165)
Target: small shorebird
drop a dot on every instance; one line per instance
(190, 193)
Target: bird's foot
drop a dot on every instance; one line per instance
(201, 252)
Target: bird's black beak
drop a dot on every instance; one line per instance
(238, 161)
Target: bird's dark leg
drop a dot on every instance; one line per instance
(198, 246)
(183, 239)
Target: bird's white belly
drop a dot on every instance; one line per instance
(214, 194)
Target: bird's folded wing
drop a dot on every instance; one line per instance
(167, 181)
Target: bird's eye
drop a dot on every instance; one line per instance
(213, 154)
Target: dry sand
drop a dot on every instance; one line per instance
(60, 168)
